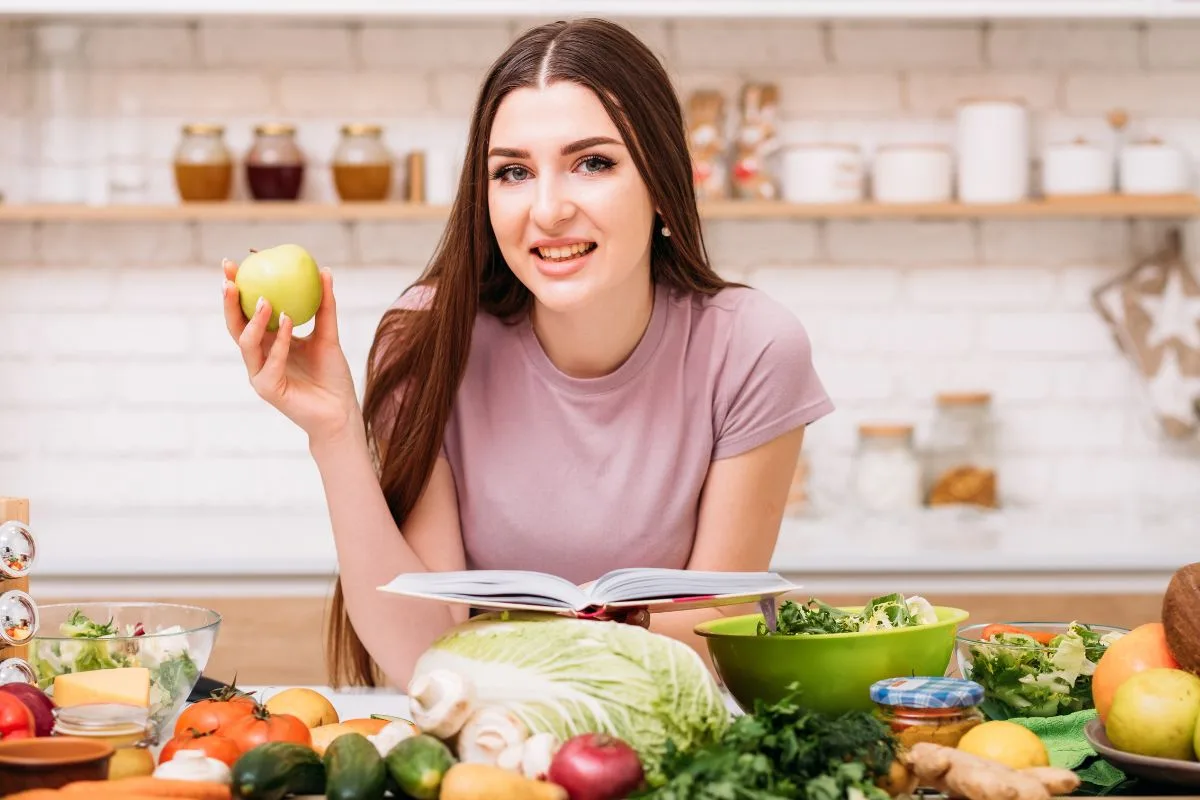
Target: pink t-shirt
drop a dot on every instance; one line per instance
(577, 477)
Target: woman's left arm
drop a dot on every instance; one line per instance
(741, 509)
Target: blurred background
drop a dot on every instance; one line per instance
(985, 220)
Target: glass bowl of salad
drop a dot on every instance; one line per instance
(1033, 669)
(172, 641)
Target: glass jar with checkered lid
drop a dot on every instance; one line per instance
(938, 710)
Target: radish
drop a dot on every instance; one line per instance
(596, 766)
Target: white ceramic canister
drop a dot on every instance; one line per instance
(1152, 167)
(1078, 167)
(992, 142)
(913, 173)
(823, 173)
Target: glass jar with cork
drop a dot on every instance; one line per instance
(203, 164)
(962, 452)
(362, 164)
(275, 164)
(887, 471)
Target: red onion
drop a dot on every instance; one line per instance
(41, 706)
(596, 766)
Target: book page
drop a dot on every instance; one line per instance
(499, 586)
(633, 584)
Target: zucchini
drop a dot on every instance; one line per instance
(354, 770)
(418, 764)
(274, 770)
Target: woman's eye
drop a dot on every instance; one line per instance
(593, 164)
(514, 173)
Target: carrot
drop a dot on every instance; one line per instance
(152, 787)
(1042, 637)
(35, 794)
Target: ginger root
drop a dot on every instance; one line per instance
(958, 774)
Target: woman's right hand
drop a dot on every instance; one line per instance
(308, 379)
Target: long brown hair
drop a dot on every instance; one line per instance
(418, 357)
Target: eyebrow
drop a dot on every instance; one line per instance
(568, 149)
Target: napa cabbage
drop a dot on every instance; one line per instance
(562, 676)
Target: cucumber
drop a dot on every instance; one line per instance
(274, 770)
(354, 770)
(418, 764)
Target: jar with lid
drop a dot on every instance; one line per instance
(962, 461)
(362, 164)
(275, 163)
(928, 709)
(17, 549)
(887, 471)
(18, 618)
(126, 727)
(203, 164)
(16, 670)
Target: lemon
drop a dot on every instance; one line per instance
(1006, 742)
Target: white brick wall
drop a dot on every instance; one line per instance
(122, 393)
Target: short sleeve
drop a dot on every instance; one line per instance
(768, 384)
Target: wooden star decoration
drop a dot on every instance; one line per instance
(1153, 311)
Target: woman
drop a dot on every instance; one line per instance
(570, 387)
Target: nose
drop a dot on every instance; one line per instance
(553, 205)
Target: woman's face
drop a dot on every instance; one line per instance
(568, 207)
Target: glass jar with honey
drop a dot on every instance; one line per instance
(362, 164)
(203, 164)
(275, 163)
(126, 727)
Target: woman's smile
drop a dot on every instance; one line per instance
(559, 258)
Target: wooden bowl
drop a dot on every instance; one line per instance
(50, 762)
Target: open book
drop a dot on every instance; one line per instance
(654, 589)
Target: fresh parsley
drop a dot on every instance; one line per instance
(782, 751)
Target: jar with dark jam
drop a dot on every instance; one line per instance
(362, 164)
(275, 163)
(203, 164)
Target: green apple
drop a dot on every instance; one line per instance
(287, 277)
(1155, 713)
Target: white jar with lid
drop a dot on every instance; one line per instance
(913, 173)
(1077, 167)
(887, 471)
(1152, 167)
(823, 173)
(992, 141)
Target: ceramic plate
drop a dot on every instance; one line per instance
(1159, 770)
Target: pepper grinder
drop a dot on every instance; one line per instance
(18, 611)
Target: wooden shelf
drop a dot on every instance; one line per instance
(1116, 206)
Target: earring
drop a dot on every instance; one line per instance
(666, 231)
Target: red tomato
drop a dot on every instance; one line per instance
(213, 745)
(16, 721)
(262, 726)
(212, 715)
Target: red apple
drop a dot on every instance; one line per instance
(39, 705)
(596, 766)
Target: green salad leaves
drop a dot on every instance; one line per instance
(1024, 677)
(91, 645)
(880, 613)
(779, 752)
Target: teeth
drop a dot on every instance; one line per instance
(570, 251)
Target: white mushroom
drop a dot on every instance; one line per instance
(441, 701)
(536, 754)
(510, 759)
(488, 733)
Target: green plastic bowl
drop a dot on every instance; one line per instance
(834, 671)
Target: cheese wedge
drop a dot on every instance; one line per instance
(129, 685)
